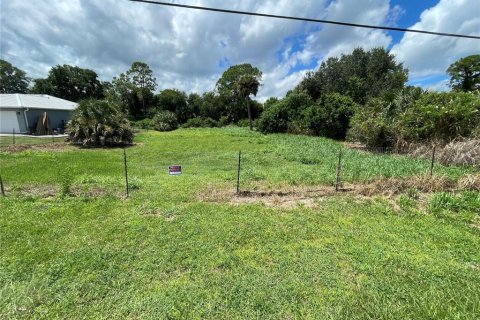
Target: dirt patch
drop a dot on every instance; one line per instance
(57, 146)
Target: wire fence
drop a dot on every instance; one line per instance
(122, 172)
(18, 139)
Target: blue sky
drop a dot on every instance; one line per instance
(189, 49)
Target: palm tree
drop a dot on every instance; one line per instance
(245, 86)
(99, 123)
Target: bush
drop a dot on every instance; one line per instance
(441, 116)
(200, 123)
(223, 121)
(99, 123)
(243, 123)
(371, 126)
(165, 121)
(285, 115)
(330, 116)
(146, 124)
(274, 119)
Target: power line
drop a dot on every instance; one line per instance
(307, 19)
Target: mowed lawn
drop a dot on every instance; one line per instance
(72, 246)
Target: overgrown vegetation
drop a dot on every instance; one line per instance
(360, 96)
(99, 123)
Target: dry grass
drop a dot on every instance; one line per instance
(47, 191)
(57, 146)
(458, 152)
(291, 197)
(395, 186)
(470, 182)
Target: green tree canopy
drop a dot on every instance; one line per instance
(12, 79)
(465, 73)
(233, 86)
(133, 90)
(245, 86)
(360, 75)
(175, 101)
(70, 83)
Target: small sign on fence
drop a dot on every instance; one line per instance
(174, 170)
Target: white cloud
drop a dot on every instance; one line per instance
(187, 49)
(430, 56)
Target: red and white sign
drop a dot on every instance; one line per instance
(174, 170)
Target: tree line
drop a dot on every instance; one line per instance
(134, 92)
(361, 96)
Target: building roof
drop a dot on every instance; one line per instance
(35, 101)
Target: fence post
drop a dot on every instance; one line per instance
(433, 160)
(1, 186)
(13, 135)
(238, 171)
(126, 171)
(339, 170)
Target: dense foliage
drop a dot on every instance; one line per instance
(360, 96)
(165, 121)
(360, 75)
(99, 123)
(465, 73)
(70, 83)
(133, 90)
(285, 115)
(441, 116)
(330, 116)
(12, 79)
(235, 86)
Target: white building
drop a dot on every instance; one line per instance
(20, 112)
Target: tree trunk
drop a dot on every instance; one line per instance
(249, 115)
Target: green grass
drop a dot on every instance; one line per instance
(9, 140)
(164, 253)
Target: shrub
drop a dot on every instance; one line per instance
(99, 123)
(243, 123)
(371, 126)
(274, 119)
(330, 116)
(200, 123)
(441, 116)
(165, 121)
(143, 124)
(285, 115)
(223, 121)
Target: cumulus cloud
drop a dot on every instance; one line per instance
(187, 49)
(430, 56)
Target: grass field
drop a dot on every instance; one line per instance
(72, 246)
(8, 140)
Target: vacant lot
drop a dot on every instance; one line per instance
(393, 244)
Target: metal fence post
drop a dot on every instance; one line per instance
(1, 186)
(13, 135)
(339, 170)
(126, 171)
(238, 171)
(433, 160)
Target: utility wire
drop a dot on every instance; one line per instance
(307, 19)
